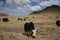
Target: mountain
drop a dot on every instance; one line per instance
(1, 14)
(50, 9)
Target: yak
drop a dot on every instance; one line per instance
(29, 29)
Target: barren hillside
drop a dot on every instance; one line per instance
(51, 9)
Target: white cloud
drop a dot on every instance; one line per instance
(21, 2)
(55, 2)
(9, 2)
(36, 1)
(35, 8)
(50, 2)
(45, 3)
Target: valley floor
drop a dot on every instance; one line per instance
(44, 32)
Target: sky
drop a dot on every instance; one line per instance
(24, 7)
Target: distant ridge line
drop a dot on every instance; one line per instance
(53, 8)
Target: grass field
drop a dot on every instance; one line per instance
(45, 25)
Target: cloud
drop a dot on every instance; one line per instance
(36, 8)
(18, 2)
(9, 2)
(1, 3)
(24, 7)
(49, 3)
(55, 2)
(17, 11)
(45, 3)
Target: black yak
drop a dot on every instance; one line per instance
(5, 20)
(29, 29)
(33, 34)
(58, 23)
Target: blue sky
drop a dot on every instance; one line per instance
(34, 3)
(24, 7)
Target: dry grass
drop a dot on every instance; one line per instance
(44, 32)
(45, 25)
